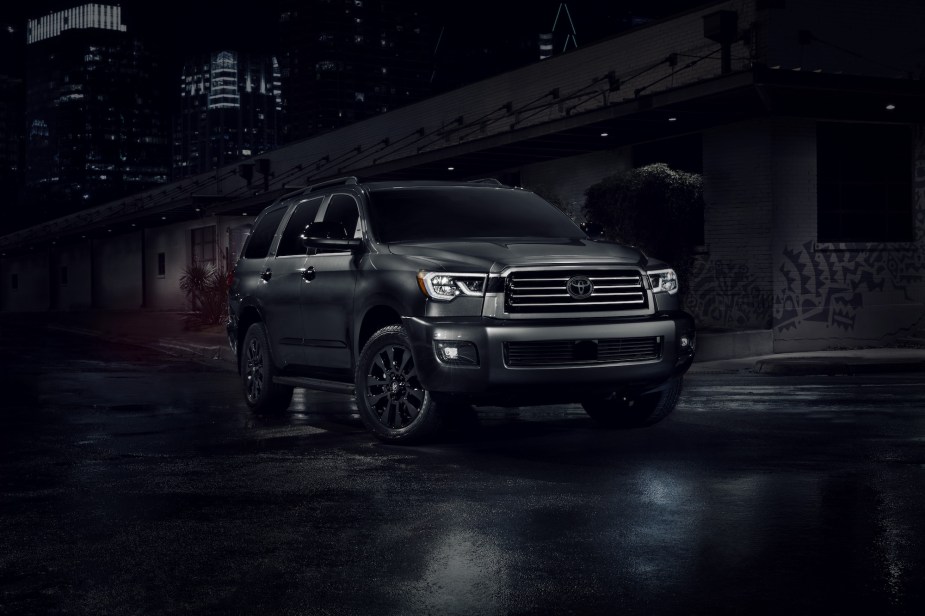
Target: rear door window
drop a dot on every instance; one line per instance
(304, 213)
(258, 246)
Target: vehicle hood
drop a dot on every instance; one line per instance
(496, 254)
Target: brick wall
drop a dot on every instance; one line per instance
(730, 286)
(829, 295)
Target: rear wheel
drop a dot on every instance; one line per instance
(621, 411)
(257, 371)
(390, 397)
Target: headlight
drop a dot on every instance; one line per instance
(664, 281)
(445, 286)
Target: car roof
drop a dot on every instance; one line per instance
(373, 186)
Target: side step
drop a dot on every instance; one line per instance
(317, 384)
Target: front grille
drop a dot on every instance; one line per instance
(551, 353)
(548, 291)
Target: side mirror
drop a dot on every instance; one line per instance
(329, 236)
(594, 230)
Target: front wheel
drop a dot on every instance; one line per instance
(390, 397)
(621, 411)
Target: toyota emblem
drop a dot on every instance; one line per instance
(579, 287)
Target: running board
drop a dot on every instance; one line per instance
(318, 384)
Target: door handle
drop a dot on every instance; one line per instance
(267, 274)
(308, 273)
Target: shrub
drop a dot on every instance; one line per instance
(656, 208)
(206, 289)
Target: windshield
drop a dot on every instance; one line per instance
(463, 212)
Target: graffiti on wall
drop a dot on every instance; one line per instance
(727, 294)
(831, 286)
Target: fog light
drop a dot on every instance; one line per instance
(687, 343)
(456, 352)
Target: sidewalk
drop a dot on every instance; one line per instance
(165, 331)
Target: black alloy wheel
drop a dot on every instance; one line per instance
(261, 394)
(392, 401)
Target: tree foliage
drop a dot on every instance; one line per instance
(656, 208)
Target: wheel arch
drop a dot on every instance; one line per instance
(375, 318)
(249, 315)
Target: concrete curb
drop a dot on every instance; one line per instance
(825, 366)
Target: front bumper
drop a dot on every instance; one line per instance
(556, 383)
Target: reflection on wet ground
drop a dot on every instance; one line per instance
(133, 482)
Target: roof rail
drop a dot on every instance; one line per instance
(494, 181)
(348, 180)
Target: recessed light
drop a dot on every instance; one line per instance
(163, 218)
(451, 168)
(890, 107)
(133, 224)
(108, 230)
(605, 135)
(672, 119)
(197, 209)
(243, 213)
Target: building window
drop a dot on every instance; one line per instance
(14, 282)
(62, 275)
(203, 245)
(161, 264)
(864, 190)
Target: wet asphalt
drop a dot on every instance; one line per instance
(133, 482)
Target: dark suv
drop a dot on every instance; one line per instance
(423, 297)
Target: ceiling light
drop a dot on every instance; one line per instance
(890, 107)
(672, 119)
(163, 218)
(451, 168)
(604, 134)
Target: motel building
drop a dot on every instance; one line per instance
(806, 119)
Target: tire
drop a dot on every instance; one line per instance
(257, 370)
(392, 402)
(618, 411)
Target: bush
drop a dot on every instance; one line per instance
(206, 288)
(656, 208)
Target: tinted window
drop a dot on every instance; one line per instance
(342, 209)
(304, 213)
(259, 244)
(438, 213)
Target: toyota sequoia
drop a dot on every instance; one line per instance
(421, 298)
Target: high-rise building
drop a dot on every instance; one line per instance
(12, 96)
(346, 60)
(230, 108)
(94, 131)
